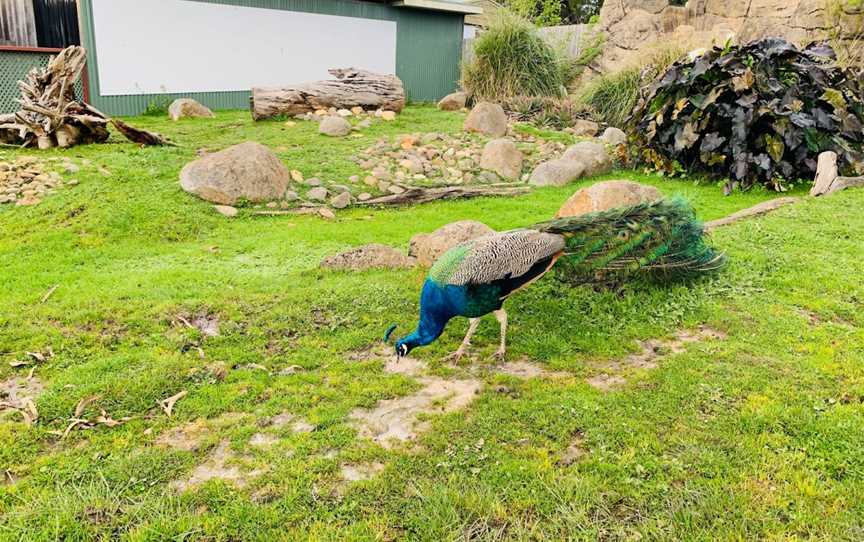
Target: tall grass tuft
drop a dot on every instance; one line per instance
(511, 59)
(613, 96)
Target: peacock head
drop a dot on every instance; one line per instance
(403, 346)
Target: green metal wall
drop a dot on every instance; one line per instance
(428, 52)
(14, 65)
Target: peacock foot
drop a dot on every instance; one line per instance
(455, 356)
(499, 355)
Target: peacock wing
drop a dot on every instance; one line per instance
(495, 257)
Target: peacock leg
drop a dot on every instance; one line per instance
(466, 342)
(501, 316)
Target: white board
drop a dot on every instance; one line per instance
(172, 46)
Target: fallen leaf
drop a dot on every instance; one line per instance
(82, 404)
(168, 404)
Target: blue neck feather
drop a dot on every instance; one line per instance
(437, 306)
(431, 327)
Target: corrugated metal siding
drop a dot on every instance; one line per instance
(429, 49)
(17, 23)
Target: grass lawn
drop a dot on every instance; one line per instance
(758, 434)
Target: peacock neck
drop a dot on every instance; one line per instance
(431, 327)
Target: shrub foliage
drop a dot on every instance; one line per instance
(511, 59)
(759, 113)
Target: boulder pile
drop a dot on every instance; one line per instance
(27, 180)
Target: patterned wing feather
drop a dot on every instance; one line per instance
(494, 257)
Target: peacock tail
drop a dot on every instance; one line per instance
(661, 238)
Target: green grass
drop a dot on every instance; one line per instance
(758, 436)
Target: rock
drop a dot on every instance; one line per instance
(357, 110)
(395, 189)
(365, 196)
(614, 136)
(296, 176)
(341, 201)
(69, 167)
(556, 173)
(608, 195)
(246, 171)
(585, 128)
(502, 157)
(326, 213)
(369, 257)
(453, 101)
(313, 181)
(319, 193)
(369, 180)
(28, 201)
(344, 113)
(334, 127)
(188, 108)
(593, 157)
(226, 210)
(365, 123)
(388, 115)
(427, 247)
(291, 195)
(488, 119)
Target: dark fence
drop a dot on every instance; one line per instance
(56, 23)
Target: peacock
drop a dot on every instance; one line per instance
(472, 279)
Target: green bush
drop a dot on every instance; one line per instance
(511, 59)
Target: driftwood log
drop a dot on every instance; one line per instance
(50, 116)
(423, 195)
(352, 88)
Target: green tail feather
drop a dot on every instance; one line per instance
(662, 238)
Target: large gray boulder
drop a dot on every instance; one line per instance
(593, 157)
(248, 171)
(488, 119)
(334, 126)
(556, 173)
(369, 257)
(503, 157)
(427, 247)
(453, 102)
(182, 108)
(608, 195)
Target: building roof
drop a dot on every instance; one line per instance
(454, 6)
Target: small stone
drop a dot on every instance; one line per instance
(585, 128)
(453, 102)
(344, 113)
(388, 115)
(226, 210)
(365, 196)
(318, 193)
(383, 186)
(357, 110)
(28, 201)
(313, 181)
(291, 195)
(188, 108)
(272, 204)
(370, 181)
(296, 176)
(320, 112)
(354, 179)
(69, 167)
(395, 189)
(341, 201)
(365, 123)
(326, 213)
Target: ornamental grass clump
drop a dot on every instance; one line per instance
(758, 114)
(511, 59)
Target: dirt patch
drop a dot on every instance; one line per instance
(18, 394)
(526, 369)
(191, 436)
(361, 471)
(262, 440)
(217, 467)
(395, 420)
(574, 452)
(16, 391)
(404, 366)
(650, 354)
(298, 425)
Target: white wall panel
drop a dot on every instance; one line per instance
(158, 46)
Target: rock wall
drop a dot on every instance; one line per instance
(632, 25)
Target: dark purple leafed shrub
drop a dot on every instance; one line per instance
(757, 114)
